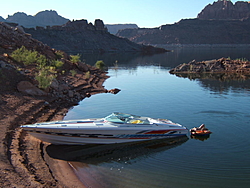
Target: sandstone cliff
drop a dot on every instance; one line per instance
(226, 10)
(220, 23)
(42, 19)
(193, 31)
(80, 36)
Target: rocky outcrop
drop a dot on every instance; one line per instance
(222, 65)
(28, 88)
(14, 37)
(42, 19)
(114, 28)
(114, 91)
(80, 36)
(226, 10)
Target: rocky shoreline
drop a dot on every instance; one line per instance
(216, 66)
(23, 159)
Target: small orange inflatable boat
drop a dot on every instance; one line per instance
(200, 131)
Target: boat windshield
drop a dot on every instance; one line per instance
(123, 118)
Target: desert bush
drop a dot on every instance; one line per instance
(87, 75)
(59, 54)
(57, 64)
(18, 54)
(25, 56)
(75, 58)
(100, 65)
(73, 72)
(41, 62)
(241, 59)
(44, 78)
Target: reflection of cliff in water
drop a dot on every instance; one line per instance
(123, 59)
(220, 82)
(169, 59)
(132, 60)
(95, 154)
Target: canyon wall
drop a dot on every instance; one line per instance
(220, 23)
(82, 37)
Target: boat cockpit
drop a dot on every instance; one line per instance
(123, 118)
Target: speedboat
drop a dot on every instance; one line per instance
(115, 128)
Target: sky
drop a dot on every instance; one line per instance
(144, 13)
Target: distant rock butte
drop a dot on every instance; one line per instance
(51, 18)
(42, 19)
(226, 10)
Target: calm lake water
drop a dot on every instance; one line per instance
(147, 89)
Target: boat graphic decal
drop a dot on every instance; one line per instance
(76, 122)
(158, 132)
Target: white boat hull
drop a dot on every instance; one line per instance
(102, 131)
(74, 140)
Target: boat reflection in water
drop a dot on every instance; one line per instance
(96, 154)
(201, 138)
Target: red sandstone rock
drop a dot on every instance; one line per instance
(28, 88)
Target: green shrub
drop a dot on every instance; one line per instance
(31, 57)
(100, 64)
(18, 54)
(25, 56)
(57, 64)
(59, 54)
(47, 69)
(44, 78)
(87, 75)
(75, 58)
(41, 62)
(73, 72)
(242, 59)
